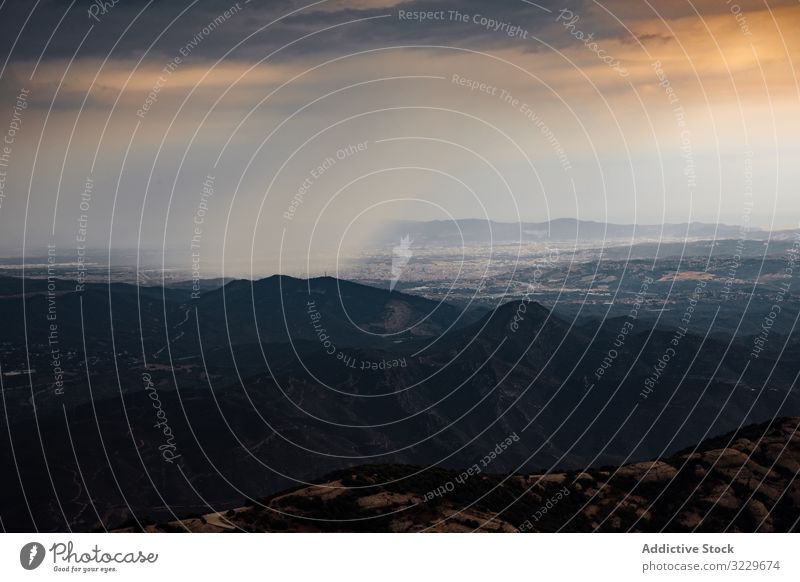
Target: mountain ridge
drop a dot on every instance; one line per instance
(734, 482)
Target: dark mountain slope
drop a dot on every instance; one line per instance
(740, 482)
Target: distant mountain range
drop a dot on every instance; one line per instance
(562, 230)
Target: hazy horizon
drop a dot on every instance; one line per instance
(288, 124)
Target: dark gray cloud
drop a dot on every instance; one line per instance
(156, 15)
(148, 20)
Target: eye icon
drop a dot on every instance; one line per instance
(31, 555)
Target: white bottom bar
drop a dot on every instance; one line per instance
(402, 557)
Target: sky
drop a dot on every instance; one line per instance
(217, 129)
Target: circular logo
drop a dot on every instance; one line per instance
(31, 555)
